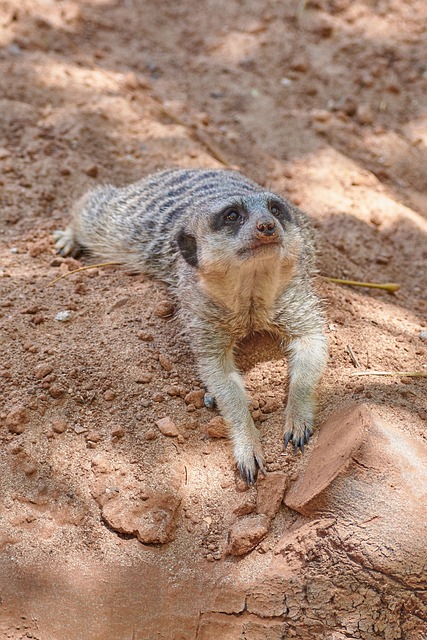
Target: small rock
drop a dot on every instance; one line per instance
(176, 390)
(59, 426)
(92, 171)
(14, 49)
(271, 405)
(152, 519)
(118, 433)
(165, 309)
(17, 418)
(167, 427)
(120, 303)
(299, 64)
(109, 395)
(165, 362)
(376, 218)
(197, 398)
(93, 436)
(130, 80)
(143, 378)
(217, 428)
(64, 316)
(321, 115)
(423, 335)
(158, 397)
(246, 533)
(150, 435)
(270, 493)
(79, 428)
(56, 391)
(244, 509)
(42, 370)
(145, 336)
(29, 467)
(364, 114)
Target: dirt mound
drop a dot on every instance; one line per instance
(121, 514)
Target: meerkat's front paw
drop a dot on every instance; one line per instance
(250, 461)
(65, 243)
(298, 430)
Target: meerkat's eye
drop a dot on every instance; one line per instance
(232, 216)
(276, 210)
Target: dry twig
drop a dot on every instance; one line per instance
(387, 286)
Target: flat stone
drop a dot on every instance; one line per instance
(246, 533)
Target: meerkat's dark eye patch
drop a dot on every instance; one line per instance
(188, 247)
(233, 217)
(279, 210)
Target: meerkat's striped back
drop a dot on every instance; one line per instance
(136, 225)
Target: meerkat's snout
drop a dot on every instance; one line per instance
(266, 229)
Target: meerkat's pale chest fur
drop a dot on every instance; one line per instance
(239, 259)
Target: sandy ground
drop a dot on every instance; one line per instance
(325, 102)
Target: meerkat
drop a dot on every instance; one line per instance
(239, 259)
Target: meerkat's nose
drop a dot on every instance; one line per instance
(266, 228)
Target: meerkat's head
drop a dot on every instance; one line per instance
(240, 232)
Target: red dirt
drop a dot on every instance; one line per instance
(324, 101)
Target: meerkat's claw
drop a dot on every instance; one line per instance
(65, 243)
(250, 474)
(297, 441)
(209, 401)
(251, 465)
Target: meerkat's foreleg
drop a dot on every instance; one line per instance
(306, 358)
(223, 381)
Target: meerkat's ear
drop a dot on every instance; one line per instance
(188, 247)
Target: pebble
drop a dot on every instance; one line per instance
(143, 378)
(246, 533)
(217, 428)
(158, 397)
(79, 428)
(42, 370)
(17, 418)
(167, 427)
(151, 518)
(59, 426)
(270, 492)
(64, 316)
(165, 362)
(93, 436)
(364, 114)
(109, 395)
(145, 336)
(165, 309)
(92, 171)
(150, 435)
(423, 335)
(29, 468)
(56, 391)
(176, 390)
(196, 398)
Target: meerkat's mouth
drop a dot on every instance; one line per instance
(259, 247)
